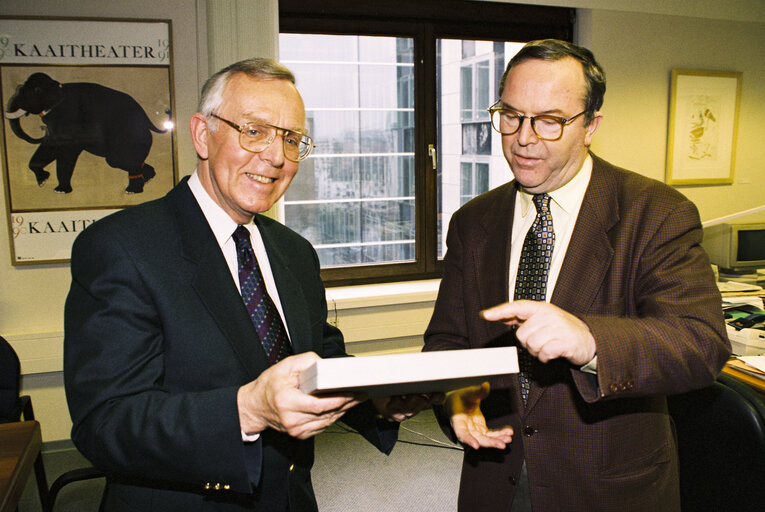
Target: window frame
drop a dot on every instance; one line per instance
(425, 22)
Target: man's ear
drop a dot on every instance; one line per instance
(199, 133)
(591, 128)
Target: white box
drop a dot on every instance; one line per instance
(406, 374)
(747, 342)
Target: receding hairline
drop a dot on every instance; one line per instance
(256, 68)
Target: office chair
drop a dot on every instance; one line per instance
(721, 445)
(17, 408)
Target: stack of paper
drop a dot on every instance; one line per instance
(752, 365)
(735, 288)
(406, 374)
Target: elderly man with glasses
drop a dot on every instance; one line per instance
(596, 274)
(190, 318)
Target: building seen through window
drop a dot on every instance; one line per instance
(354, 197)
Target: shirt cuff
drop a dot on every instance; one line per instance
(591, 367)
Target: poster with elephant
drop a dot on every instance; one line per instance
(87, 126)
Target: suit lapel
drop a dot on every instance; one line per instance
(291, 293)
(213, 283)
(491, 254)
(590, 252)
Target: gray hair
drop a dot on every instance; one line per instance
(258, 68)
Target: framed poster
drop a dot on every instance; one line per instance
(87, 125)
(703, 121)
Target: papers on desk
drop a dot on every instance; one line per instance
(751, 365)
(757, 362)
(407, 374)
(744, 324)
(738, 301)
(735, 288)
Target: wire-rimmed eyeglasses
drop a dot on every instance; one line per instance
(256, 137)
(545, 127)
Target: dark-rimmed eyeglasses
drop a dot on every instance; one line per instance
(256, 137)
(545, 127)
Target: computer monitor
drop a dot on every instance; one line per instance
(736, 247)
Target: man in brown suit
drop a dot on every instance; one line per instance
(630, 312)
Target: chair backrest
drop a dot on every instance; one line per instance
(10, 371)
(721, 444)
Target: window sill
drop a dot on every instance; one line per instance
(386, 294)
(43, 352)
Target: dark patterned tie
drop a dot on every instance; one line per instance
(531, 280)
(263, 313)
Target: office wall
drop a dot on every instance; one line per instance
(32, 297)
(638, 52)
(637, 49)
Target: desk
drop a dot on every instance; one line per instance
(20, 442)
(755, 383)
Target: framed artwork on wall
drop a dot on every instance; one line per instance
(703, 121)
(87, 125)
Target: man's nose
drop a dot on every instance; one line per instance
(526, 134)
(274, 153)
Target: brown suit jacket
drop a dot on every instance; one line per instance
(635, 273)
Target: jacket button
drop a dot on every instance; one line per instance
(630, 384)
(292, 466)
(217, 487)
(227, 487)
(614, 387)
(207, 486)
(529, 431)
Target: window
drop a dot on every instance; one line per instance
(475, 85)
(355, 198)
(396, 96)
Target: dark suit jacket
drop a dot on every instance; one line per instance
(157, 342)
(635, 273)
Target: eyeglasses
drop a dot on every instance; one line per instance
(256, 137)
(545, 127)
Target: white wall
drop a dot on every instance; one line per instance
(738, 10)
(634, 131)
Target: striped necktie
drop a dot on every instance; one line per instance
(263, 313)
(531, 280)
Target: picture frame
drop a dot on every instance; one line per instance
(87, 125)
(703, 124)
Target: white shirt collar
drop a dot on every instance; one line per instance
(568, 197)
(221, 224)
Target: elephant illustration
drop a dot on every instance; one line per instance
(83, 116)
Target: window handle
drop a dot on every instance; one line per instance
(432, 154)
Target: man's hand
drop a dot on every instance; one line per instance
(546, 331)
(400, 408)
(468, 423)
(273, 400)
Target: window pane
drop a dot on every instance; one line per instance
(483, 88)
(468, 140)
(466, 184)
(357, 232)
(466, 87)
(353, 198)
(481, 178)
(468, 49)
